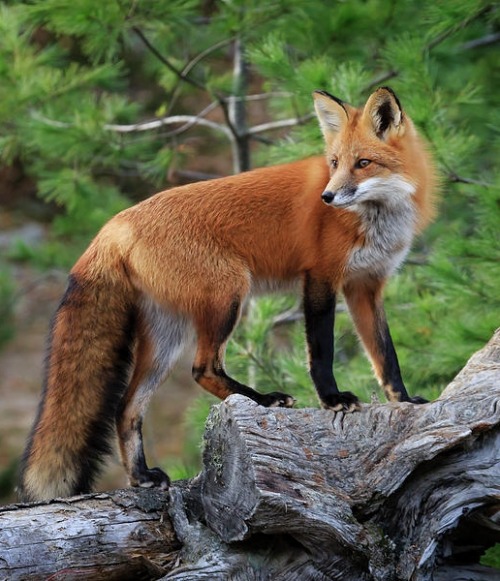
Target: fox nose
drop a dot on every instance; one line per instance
(327, 197)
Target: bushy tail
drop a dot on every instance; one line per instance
(86, 369)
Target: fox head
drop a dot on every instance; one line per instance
(369, 151)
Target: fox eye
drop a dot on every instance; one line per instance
(362, 163)
(334, 163)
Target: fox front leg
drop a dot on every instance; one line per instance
(367, 310)
(319, 312)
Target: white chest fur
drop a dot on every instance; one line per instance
(388, 218)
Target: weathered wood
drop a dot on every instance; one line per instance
(387, 493)
(122, 535)
(392, 493)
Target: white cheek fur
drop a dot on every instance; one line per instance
(389, 190)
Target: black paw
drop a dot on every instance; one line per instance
(417, 399)
(344, 401)
(152, 477)
(277, 400)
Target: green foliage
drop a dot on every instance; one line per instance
(492, 557)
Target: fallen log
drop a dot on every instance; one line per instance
(120, 535)
(394, 492)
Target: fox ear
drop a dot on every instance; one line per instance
(384, 113)
(331, 112)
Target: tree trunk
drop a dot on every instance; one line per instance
(394, 492)
(238, 111)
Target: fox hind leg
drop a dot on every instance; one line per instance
(214, 328)
(162, 337)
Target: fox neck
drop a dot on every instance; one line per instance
(386, 233)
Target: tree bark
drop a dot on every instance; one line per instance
(394, 492)
(238, 111)
(125, 534)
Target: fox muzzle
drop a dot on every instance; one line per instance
(343, 197)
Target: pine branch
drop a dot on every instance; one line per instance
(194, 120)
(263, 96)
(166, 62)
(456, 27)
(483, 41)
(191, 123)
(377, 81)
(198, 58)
(222, 102)
(489, 39)
(455, 178)
(190, 66)
(51, 122)
(188, 122)
(273, 125)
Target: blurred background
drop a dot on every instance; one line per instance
(104, 103)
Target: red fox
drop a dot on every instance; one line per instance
(183, 262)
